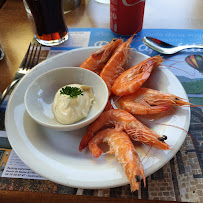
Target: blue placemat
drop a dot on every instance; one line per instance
(181, 179)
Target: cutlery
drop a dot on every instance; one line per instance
(165, 48)
(30, 60)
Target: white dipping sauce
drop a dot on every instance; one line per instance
(68, 110)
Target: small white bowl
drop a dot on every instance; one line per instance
(40, 95)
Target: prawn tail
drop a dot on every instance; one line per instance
(95, 150)
(96, 140)
(95, 127)
(84, 142)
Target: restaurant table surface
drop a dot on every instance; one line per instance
(16, 32)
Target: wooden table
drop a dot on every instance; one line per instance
(16, 33)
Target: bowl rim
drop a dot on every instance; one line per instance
(79, 124)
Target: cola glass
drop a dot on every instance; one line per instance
(49, 22)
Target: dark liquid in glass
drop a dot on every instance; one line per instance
(48, 18)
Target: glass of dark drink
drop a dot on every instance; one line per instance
(49, 22)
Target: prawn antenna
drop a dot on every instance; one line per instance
(177, 62)
(185, 131)
(146, 154)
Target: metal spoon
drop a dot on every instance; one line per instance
(164, 48)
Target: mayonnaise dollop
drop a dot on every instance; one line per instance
(68, 110)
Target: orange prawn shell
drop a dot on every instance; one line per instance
(133, 78)
(97, 60)
(149, 101)
(114, 66)
(125, 153)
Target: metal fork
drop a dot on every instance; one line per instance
(30, 60)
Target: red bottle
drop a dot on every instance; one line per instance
(126, 16)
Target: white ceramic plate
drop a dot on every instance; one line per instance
(55, 156)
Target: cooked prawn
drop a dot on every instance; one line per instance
(133, 78)
(114, 66)
(96, 61)
(127, 122)
(125, 153)
(148, 101)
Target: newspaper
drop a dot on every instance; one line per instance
(10, 164)
(15, 168)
